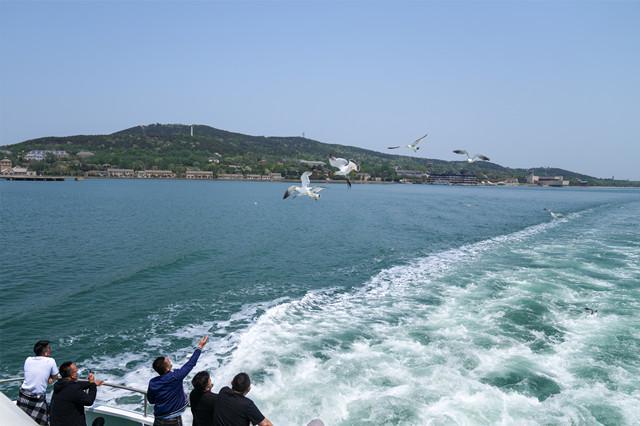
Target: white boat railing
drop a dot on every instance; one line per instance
(12, 379)
(112, 385)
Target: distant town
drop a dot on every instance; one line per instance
(22, 172)
(200, 152)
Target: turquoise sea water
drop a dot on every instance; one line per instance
(385, 304)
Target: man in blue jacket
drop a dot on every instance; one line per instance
(166, 391)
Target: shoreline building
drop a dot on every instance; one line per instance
(40, 154)
(532, 179)
(120, 173)
(452, 180)
(363, 177)
(156, 174)
(231, 176)
(416, 175)
(20, 171)
(256, 177)
(198, 175)
(5, 166)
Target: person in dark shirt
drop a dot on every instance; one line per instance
(233, 408)
(202, 400)
(70, 396)
(166, 392)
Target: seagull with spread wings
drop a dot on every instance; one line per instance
(470, 159)
(305, 189)
(345, 167)
(412, 146)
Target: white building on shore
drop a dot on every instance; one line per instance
(231, 176)
(547, 180)
(156, 174)
(120, 173)
(198, 174)
(41, 154)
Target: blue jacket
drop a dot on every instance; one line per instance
(166, 391)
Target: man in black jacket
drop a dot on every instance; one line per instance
(70, 396)
(233, 408)
(202, 400)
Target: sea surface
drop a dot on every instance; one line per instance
(383, 304)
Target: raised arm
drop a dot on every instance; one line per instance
(89, 397)
(182, 372)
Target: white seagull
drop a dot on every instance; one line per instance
(554, 215)
(412, 146)
(471, 159)
(345, 167)
(298, 191)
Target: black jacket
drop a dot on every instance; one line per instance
(68, 402)
(234, 409)
(203, 406)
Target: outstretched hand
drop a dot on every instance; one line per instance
(92, 379)
(203, 342)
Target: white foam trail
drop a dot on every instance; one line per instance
(434, 342)
(379, 308)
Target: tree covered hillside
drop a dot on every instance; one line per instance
(171, 147)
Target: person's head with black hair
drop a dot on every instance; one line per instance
(241, 383)
(42, 348)
(162, 365)
(69, 370)
(202, 381)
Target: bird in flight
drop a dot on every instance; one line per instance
(345, 167)
(412, 146)
(305, 189)
(470, 159)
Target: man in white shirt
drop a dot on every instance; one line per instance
(39, 371)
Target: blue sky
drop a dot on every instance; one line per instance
(526, 83)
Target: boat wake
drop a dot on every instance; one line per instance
(486, 333)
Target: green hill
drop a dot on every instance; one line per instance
(171, 146)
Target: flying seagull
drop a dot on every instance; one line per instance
(554, 215)
(412, 146)
(345, 167)
(470, 159)
(299, 191)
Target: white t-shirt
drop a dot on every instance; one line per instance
(37, 370)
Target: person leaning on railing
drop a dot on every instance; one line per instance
(70, 396)
(166, 391)
(39, 371)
